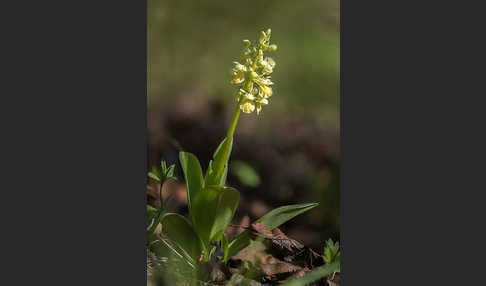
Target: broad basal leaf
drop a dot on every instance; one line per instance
(214, 208)
(194, 178)
(204, 208)
(179, 230)
(227, 203)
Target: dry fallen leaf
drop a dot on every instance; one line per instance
(285, 248)
(255, 258)
(259, 229)
(236, 229)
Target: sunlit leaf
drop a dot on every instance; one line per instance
(194, 178)
(216, 173)
(214, 208)
(227, 203)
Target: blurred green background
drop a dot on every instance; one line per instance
(191, 47)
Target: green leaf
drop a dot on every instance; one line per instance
(170, 171)
(218, 167)
(154, 176)
(331, 252)
(154, 245)
(313, 275)
(212, 250)
(163, 247)
(280, 215)
(150, 208)
(164, 166)
(272, 220)
(194, 178)
(204, 209)
(227, 203)
(214, 209)
(179, 230)
(238, 243)
(225, 175)
(224, 247)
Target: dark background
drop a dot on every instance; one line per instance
(289, 153)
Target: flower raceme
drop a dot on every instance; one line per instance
(252, 76)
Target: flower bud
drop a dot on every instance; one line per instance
(272, 48)
(263, 38)
(247, 43)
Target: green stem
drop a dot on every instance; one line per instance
(231, 130)
(232, 127)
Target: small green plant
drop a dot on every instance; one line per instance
(160, 176)
(332, 255)
(211, 203)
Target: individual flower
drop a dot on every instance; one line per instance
(263, 81)
(268, 64)
(265, 91)
(259, 103)
(247, 106)
(238, 73)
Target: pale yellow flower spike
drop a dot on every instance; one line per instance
(252, 78)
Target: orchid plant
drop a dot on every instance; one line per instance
(211, 203)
